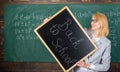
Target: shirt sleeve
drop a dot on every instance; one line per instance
(92, 66)
(105, 63)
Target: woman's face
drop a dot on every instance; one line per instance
(95, 24)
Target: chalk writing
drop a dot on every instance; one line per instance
(64, 26)
(61, 50)
(23, 25)
(57, 43)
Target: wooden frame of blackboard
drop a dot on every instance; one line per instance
(49, 49)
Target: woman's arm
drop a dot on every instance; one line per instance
(105, 62)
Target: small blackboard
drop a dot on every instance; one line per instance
(65, 39)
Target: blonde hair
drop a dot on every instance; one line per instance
(103, 21)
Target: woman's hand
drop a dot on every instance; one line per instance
(46, 20)
(82, 64)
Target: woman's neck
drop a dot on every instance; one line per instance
(96, 33)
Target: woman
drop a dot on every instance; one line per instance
(100, 60)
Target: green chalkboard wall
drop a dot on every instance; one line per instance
(21, 43)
